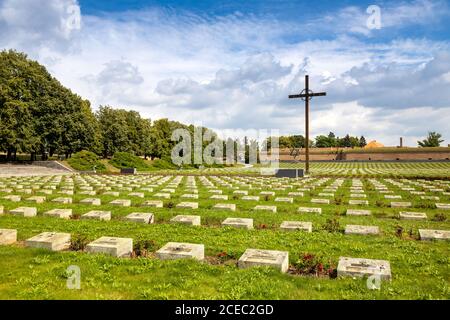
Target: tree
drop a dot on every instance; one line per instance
(362, 142)
(433, 140)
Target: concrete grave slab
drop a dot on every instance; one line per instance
(320, 201)
(54, 241)
(13, 198)
(24, 211)
(238, 223)
(141, 217)
(59, 213)
(187, 219)
(225, 206)
(8, 236)
(36, 199)
(358, 202)
(309, 210)
(188, 205)
(283, 199)
(91, 201)
(116, 247)
(153, 203)
(97, 215)
(296, 225)
(271, 258)
(360, 267)
(121, 202)
(354, 212)
(62, 200)
(401, 204)
(177, 250)
(430, 234)
(404, 215)
(364, 230)
(265, 208)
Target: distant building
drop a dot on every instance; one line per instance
(374, 144)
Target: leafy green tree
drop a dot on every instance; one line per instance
(432, 140)
(362, 142)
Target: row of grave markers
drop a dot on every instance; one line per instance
(123, 247)
(246, 223)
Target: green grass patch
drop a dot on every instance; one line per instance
(86, 161)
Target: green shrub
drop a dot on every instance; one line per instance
(78, 242)
(163, 164)
(127, 160)
(86, 161)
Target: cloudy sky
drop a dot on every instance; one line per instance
(231, 64)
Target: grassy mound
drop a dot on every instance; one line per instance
(86, 161)
(128, 160)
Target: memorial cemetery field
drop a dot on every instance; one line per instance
(413, 169)
(397, 208)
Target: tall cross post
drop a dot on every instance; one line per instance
(307, 95)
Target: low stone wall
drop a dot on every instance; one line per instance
(368, 156)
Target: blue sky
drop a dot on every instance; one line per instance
(229, 65)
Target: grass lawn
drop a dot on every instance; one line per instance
(420, 269)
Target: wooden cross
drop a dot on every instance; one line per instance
(307, 95)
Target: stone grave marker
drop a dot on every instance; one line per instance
(13, 198)
(309, 210)
(141, 217)
(358, 202)
(136, 194)
(59, 213)
(354, 212)
(162, 195)
(117, 247)
(121, 202)
(250, 198)
(265, 208)
(111, 193)
(24, 211)
(238, 223)
(187, 219)
(296, 225)
(8, 236)
(359, 267)
(219, 197)
(92, 201)
(62, 200)
(364, 230)
(189, 196)
(54, 241)
(97, 215)
(401, 204)
(225, 206)
(177, 250)
(283, 199)
(404, 215)
(188, 205)
(321, 201)
(443, 206)
(272, 258)
(36, 199)
(267, 193)
(429, 234)
(296, 194)
(153, 203)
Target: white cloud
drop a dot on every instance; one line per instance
(236, 71)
